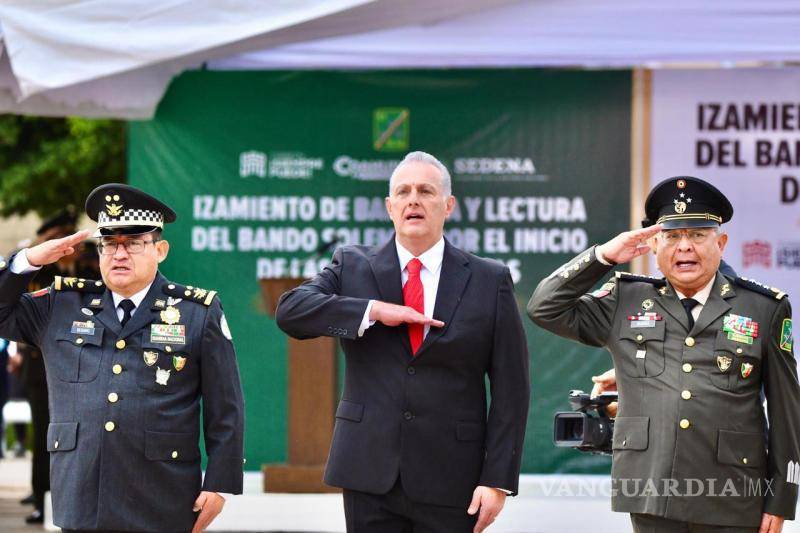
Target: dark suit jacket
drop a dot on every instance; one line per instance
(143, 473)
(422, 418)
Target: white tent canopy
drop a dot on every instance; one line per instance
(117, 57)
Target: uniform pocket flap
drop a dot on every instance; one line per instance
(350, 410)
(723, 343)
(62, 436)
(631, 433)
(159, 446)
(740, 448)
(643, 334)
(469, 431)
(92, 336)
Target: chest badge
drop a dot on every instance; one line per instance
(150, 358)
(162, 376)
(647, 304)
(747, 369)
(724, 363)
(170, 315)
(178, 362)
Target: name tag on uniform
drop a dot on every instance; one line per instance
(83, 328)
(644, 320)
(168, 333)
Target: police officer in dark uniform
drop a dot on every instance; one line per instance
(693, 353)
(129, 359)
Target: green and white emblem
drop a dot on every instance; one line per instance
(786, 335)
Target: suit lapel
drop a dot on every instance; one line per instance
(108, 314)
(144, 314)
(453, 278)
(386, 269)
(716, 305)
(668, 301)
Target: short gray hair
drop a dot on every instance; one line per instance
(424, 157)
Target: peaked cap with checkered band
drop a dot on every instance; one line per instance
(121, 209)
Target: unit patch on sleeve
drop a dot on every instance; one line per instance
(786, 335)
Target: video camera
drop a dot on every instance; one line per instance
(588, 427)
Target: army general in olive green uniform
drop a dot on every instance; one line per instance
(694, 352)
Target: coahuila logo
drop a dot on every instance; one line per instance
(494, 165)
(364, 169)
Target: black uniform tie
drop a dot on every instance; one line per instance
(127, 307)
(688, 305)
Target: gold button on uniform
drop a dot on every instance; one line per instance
(689, 341)
(684, 424)
(2, 264)
(639, 338)
(168, 348)
(78, 341)
(121, 344)
(687, 367)
(55, 445)
(686, 395)
(739, 350)
(113, 397)
(117, 369)
(110, 426)
(174, 454)
(170, 286)
(744, 460)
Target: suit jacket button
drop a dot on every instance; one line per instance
(408, 415)
(411, 370)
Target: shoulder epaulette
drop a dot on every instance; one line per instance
(756, 286)
(187, 292)
(78, 284)
(627, 276)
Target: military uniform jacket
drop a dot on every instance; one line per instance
(690, 400)
(125, 402)
(422, 418)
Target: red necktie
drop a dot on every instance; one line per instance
(414, 297)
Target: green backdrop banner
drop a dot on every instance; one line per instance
(269, 170)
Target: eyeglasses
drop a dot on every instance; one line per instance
(132, 246)
(698, 236)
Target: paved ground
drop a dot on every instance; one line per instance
(14, 485)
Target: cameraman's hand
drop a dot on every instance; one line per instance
(606, 382)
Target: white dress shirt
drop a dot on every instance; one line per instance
(431, 261)
(701, 297)
(136, 299)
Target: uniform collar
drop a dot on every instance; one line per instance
(702, 295)
(431, 258)
(136, 298)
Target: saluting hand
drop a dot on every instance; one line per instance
(210, 505)
(628, 245)
(394, 315)
(53, 250)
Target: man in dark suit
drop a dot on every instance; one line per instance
(422, 324)
(128, 361)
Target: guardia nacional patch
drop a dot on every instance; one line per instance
(786, 335)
